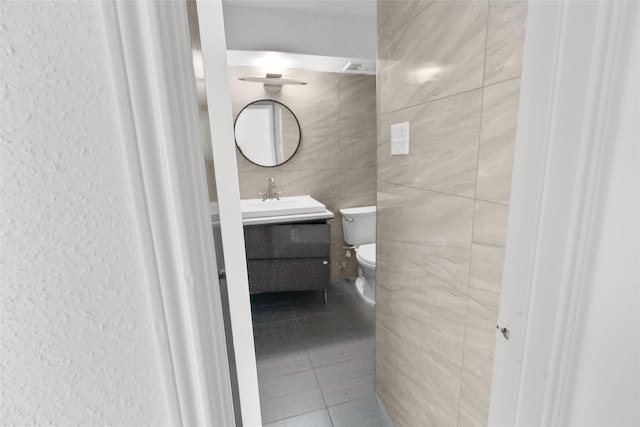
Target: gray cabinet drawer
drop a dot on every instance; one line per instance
(277, 275)
(274, 241)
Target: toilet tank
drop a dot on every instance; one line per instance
(359, 225)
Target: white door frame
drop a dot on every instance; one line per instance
(574, 54)
(216, 73)
(574, 62)
(154, 85)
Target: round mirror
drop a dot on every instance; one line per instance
(267, 133)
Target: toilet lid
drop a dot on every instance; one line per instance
(367, 253)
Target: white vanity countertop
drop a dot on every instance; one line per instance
(327, 214)
(274, 219)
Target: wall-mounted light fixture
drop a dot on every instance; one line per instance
(273, 82)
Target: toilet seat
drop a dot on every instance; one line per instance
(366, 254)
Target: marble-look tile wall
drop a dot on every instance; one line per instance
(336, 161)
(451, 69)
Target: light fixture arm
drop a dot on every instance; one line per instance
(273, 82)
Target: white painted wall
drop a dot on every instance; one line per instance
(77, 336)
(606, 390)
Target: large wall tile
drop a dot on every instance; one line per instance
(426, 312)
(451, 69)
(358, 183)
(355, 93)
(401, 399)
(357, 200)
(394, 14)
(355, 124)
(421, 391)
(315, 153)
(505, 40)
(394, 267)
(383, 62)
(358, 153)
(497, 139)
(485, 277)
(436, 226)
(321, 88)
(416, 216)
(437, 54)
(443, 145)
(318, 121)
(490, 223)
(320, 184)
(479, 347)
(472, 411)
(487, 253)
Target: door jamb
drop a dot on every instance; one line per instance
(154, 85)
(574, 56)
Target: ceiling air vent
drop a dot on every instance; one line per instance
(353, 66)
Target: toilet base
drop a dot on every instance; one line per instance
(360, 287)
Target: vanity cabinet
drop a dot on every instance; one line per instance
(288, 256)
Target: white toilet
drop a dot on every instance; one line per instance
(359, 228)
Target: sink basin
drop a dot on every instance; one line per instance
(295, 205)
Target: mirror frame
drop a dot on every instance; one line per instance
(235, 121)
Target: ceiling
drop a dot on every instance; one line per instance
(329, 28)
(345, 8)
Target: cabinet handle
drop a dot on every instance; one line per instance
(325, 262)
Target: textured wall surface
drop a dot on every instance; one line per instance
(452, 70)
(77, 339)
(336, 161)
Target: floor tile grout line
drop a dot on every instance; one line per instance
(333, 424)
(322, 393)
(350, 359)
(348, 401)
(314, 410)
(287, 374)
(299, 415)
(352, 304)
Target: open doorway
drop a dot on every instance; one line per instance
(314, 327)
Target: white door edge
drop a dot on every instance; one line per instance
(574, 57)
(214, 57)
(149, 48)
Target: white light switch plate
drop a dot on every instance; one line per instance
(400, 139)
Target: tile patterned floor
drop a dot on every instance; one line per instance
(316, 362)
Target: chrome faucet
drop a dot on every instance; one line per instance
(272, 192)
